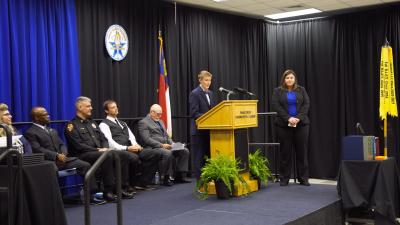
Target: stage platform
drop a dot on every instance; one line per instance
(318, 204)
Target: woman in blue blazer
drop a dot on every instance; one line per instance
(291, 102)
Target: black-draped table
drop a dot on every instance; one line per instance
(42, 202)
(372, 185)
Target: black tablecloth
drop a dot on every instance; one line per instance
(42, 202)
(370, 185)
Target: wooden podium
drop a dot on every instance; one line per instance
(228, 122)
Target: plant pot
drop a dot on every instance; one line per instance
(222, 190)
(259, 183)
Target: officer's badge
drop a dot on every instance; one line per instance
(94, 125)
(70, 127)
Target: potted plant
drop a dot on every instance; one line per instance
(258, 166)
(224, 171)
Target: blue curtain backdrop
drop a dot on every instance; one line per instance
(39, 62)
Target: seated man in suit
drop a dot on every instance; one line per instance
(46, 140)
(153, 134)
(22, 144)
(86, 141)
(121, 139)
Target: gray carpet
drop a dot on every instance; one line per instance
(272, 205)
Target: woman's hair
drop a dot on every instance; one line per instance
(3, 108)
(287, 72)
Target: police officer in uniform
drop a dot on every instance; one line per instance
(86, 141)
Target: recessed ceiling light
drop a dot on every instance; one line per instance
(219, 0)
(293, 13)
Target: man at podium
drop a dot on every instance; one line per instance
(201, 99)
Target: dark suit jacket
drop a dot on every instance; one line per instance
(84, 136)
(198, 106)
(47, 143)
(150, 133)
(280, 105)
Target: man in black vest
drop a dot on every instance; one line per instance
(121, 139)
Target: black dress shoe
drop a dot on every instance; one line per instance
(127, 195)
(168, 182)
(109, 197)
(131, 190)
(284, 182)
(182, 180)
(144, 188)
(304, 182)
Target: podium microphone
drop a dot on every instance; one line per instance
(359, 128)
(244, 91)
(221, 89)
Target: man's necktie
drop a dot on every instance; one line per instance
(208, 97)
(159, 124)
(116, 120)
(47, 130)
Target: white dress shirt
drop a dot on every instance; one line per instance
(107, 132)
(208, 97)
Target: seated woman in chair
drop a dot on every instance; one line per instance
(5, 117)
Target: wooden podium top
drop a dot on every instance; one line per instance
(230, 114)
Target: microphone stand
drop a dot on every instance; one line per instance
(227, 96)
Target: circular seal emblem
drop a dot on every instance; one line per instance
(116, 42)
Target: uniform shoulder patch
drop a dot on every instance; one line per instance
(70, 127)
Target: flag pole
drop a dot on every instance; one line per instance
(385, 151)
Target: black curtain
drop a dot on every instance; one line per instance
(133, 81)
(336, 59)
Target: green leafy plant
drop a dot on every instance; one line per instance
(258, 165)
(220, 168)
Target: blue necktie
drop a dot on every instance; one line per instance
(159, 124)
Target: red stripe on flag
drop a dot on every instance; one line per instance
(162, 88)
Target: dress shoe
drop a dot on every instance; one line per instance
(284, 182)
(131, 190)
(109, 197)
(168, 182)
(182, 180)
(96, 201)
(304, 182)
(144, 187)
(127, 195)
(93, 200)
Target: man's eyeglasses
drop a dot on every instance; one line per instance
(158, 113)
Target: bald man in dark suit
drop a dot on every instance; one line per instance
(153, 134)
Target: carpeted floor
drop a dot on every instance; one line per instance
(272, 205)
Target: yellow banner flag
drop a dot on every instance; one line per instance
(387, 93)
